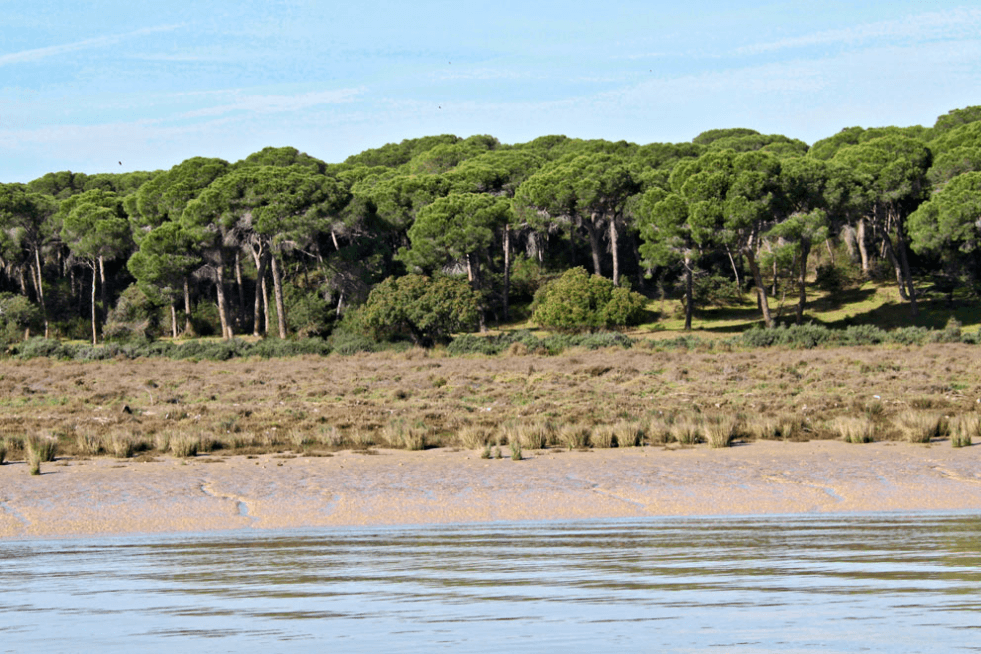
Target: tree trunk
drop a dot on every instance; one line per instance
(805, 250)
(904, 262)
(863, 249)
(507, 268)
(897, 267)
(241, 290)
(635, 249)
(760, 287)
(188, 327)
(278, 291)
(265, 306)
(615, 251)
(735, 270)
(594, 245)
(260, 277)
(95, 339)
(689, 294)
(173, 320)
(226, 327)
(102, 290)
(40, 292)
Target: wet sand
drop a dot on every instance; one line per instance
(109, 496)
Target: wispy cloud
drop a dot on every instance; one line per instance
(26, 56)
(266, 104)
(958, 23)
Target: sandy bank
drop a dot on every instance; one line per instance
(107, 496)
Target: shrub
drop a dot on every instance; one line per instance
(721, 430)
(422, 309)
(135, 316)
(964, 428)
(18, 316)
(184, 445)
(578, 301)
(3, 451)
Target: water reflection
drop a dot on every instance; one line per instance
(845, 583)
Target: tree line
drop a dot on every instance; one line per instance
(281, 243)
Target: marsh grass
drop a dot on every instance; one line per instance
(604, 436)
(486, 452)
(184, 445)
(853, 430)
(515, 446)
(628, 433)
(964, 428)
(575, 437)
(919, 427)
(399, 435)
(354, 394)
(3, 450)
(687, 430)
(721, 430)
(89, 444)
(472, 437)
(123, 445)
(44, 447)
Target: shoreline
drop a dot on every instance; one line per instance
(109, 497)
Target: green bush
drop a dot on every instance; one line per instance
(422, 309)
(17, 316)
(578, 302)
(135, 317)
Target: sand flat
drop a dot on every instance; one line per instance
(107, 496)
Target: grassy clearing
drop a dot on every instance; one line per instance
(611, 397)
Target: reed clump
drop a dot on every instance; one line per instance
(686, 430)
(3, 451)
(472, 437)
(575, 437)
(854, 430)
(964, 428)
(604, 436)
(184, 445)
(515, 446)
(628, 433)
(920, 427)
(534, 434)
(43, 446)
(398, 434)
(721, 430)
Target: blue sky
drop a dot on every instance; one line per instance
(86, 85)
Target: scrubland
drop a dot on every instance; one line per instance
(421, 399)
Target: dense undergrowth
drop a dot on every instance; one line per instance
(519, 341)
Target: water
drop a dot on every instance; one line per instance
(897, 583)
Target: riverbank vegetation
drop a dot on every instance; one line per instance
(416, 241)
(422, 398)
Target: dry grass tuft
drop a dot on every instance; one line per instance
(721, 430)
(854, 430)
(472, 437)
(920, 427)
(44, 447)
(575, 437)
(604, 436)
(3, 451)
(184, 445)
(964, 428)
(686, 430)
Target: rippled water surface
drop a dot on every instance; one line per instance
(901, 583)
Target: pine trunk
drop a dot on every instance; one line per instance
(278, 291)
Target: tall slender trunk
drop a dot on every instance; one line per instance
(241, 290)
(904, 263)
(760, 287)
(260, 266)
(226, 327)
(735, 269)
(173, 320)
(278, 291)
(615, 250)
(95, 338)
(188, 326)
(805, 250)
(507, 268)
(689, 294)
(102, 289)
(40, 291)
(896, 265)
(265, 305)
(594, 245)
(863, 249)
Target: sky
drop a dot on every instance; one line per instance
(107, 86)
